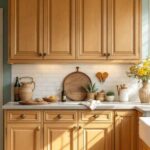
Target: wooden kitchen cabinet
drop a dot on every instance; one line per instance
(96, 136)
(143, 146)
(70, 130)
(59, 29)
(126, 131)
(60, 136)
(25, 30)
(47, 31)
(124, 29)
(24, 137)
(91, 29)
(96, 130)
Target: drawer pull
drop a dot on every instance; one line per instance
(38, 128)
(74, 128)
(79, 127)
(44, 54)
(22, 116)
(95, 116)
(59, 116)
(116, 115)
(40, 54)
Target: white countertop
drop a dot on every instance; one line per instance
(75, 106)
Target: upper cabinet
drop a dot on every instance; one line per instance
(92, 29)
(59, 29)
(74, 30)
(124, 29)
(25, 29)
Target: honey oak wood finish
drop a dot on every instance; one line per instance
(56, 31)
(96, 130)
(124, 29)
(126, 130)
(143, 146)
(24, 136)
(23, 130)
(70, 130)
(91, 29)
(60, 136)
(59, 29)
(25, 29)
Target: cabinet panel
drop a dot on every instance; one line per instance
(126, 130)
(57, 116)
(91, 29)
(23, 116)
(58, 136)
(96, 136)
(59, 29)
(143, 146)
(124, 29)
(24, 137)
(96, 116)
(25, 29)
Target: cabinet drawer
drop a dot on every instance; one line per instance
(60, 116)
(24, 116)
(96, 116)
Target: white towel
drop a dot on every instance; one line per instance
(90, 104)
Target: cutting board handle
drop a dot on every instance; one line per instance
(77, 69)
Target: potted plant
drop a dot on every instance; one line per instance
(141, 71)
(91, 91)
(110, 96)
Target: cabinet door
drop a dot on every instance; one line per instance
(60, 136)
(24, 137)
(126, 136)
(124, 29)
(91, 29)
(143, 146)
(25, 29)
(96, 136)
(59, 29)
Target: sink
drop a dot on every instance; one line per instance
(144, 130)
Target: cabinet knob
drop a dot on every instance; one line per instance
(40, 54)
(74, 128)
(108, 54)
(38, 128)
(59, 116)
(95, 116)
(44, 54)
(79, 127)
(116, 115)
(104, 54)
(22, 116)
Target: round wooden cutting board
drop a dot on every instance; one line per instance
(74, 84)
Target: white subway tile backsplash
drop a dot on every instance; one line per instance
(49, 77)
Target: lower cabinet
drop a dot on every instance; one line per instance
(70, 130)
(126, 135)
(143, 146)
(96, 136)
(60, 136)
(24, 137)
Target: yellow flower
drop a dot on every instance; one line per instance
(133, 69)
(146, 64)
(142, 72)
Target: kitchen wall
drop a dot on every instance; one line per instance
(1, 78)
(6, 66)
(49, 78)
